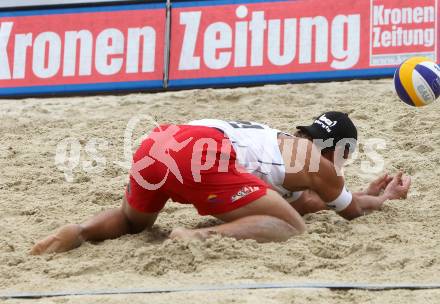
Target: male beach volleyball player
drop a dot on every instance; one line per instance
(207, 163)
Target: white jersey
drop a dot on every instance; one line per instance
(256, 146)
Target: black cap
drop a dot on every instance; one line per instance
(336, 125)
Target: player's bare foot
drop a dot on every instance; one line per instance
(66, 238)
(181, 233)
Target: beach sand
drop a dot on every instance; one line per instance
(396, 245)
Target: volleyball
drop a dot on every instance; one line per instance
(417, 81)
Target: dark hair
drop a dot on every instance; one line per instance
(304, 134)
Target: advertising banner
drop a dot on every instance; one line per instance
(148, 46)
(225, 42)
(401, 29)
(21, 3)
(82, 49)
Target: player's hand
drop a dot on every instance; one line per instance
(379, 184)
(398, 187)
(65, 239)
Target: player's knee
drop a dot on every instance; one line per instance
(295, 224)
(294, 219)
(288, 214)
(303, 227)
(299, 225)
(289, 231)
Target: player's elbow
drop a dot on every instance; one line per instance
(348, 216)
(314, 204)
(351, 212)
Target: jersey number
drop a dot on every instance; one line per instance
(244, 125)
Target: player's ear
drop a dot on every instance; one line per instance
(346, 153)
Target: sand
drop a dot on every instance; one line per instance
(397, 245)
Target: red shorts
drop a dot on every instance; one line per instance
(207, 175)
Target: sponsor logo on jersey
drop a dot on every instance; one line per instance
(213, 198)
(245, 191)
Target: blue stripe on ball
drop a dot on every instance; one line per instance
(430, 77)
(400, 90)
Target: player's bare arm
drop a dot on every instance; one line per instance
(363, 204)
(378, 185)
(370, 199)
(325, 184)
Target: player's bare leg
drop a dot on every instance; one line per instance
(267, 219)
